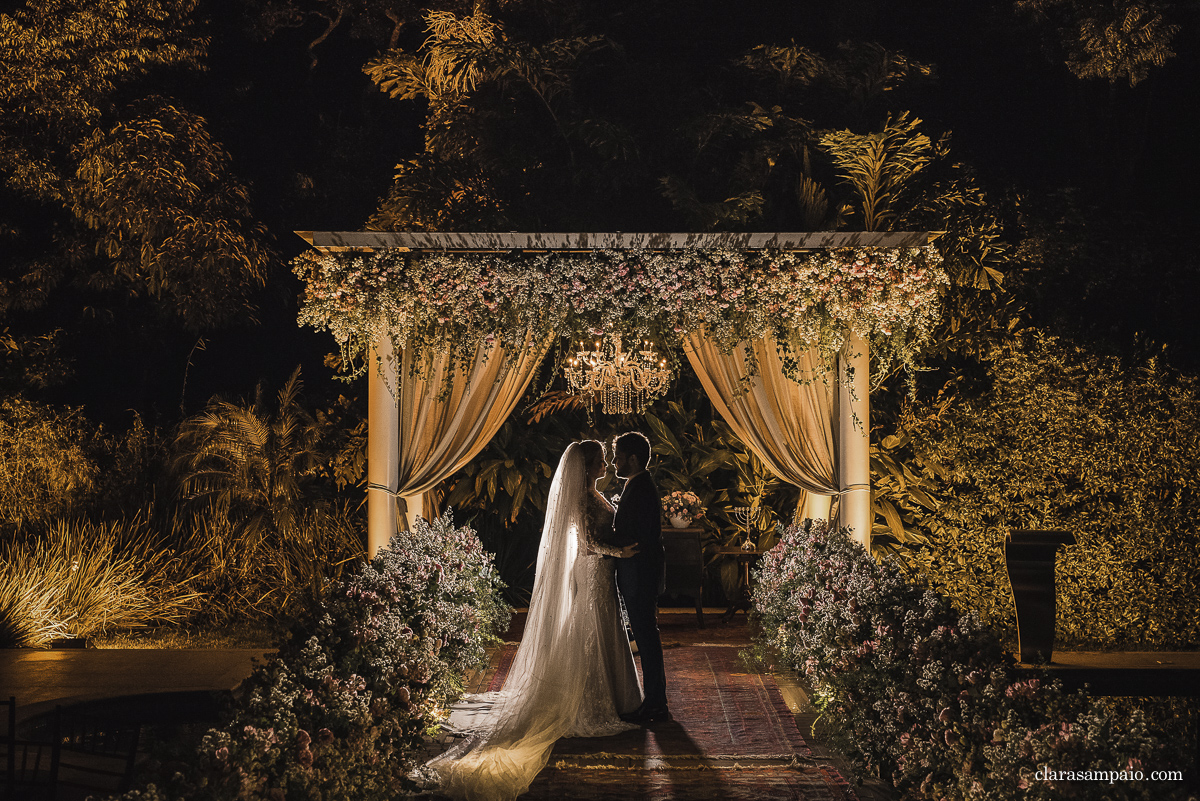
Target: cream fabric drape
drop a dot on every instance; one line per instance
(440, 430)
(791, 426)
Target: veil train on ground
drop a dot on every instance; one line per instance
(509, 734)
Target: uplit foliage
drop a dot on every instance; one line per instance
(1118, 40)
(245, 544)
(49, 89)
(380, 21)
(270, 579)
(82, 579)
(880, 166)
(158, 192)
(923, 696)
(761, 157)
(1066, 439)
(256, 508)
(34, 360)
(503, 120)
(255, 468)
(46, 465)
(340, 713)
(115, 186)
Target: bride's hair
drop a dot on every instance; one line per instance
(591, 450)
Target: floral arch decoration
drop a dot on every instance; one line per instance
(436, 304)
(452, 298)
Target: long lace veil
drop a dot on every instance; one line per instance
(542, 694)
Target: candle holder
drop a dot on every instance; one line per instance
(747, 516)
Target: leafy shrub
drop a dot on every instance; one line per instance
(255, 504)
(1062, 438)
(340, 712)
(46, 467)
(256, 467)
(248, 578)
(85, 578)
(925, 697)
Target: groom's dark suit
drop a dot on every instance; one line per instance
(639, 521)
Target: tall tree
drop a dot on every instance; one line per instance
(106, 184)
(512, 136)
(1116, 40)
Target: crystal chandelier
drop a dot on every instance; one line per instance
(627, 382)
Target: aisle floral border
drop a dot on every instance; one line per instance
(453, 302)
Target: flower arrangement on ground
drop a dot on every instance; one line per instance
(926, 698)
(339, 713)
(449, 302)
(683, 504)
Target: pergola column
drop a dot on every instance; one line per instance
(854, 443)
(383, 444)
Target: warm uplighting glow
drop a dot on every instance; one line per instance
(626, 382)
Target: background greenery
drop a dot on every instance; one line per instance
(156, 157)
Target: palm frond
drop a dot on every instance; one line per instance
(880, 165)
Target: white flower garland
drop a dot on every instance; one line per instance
(433, 302)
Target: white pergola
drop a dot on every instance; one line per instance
(389, 511)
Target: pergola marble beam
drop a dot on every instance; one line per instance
(502, 242)
(853, 374)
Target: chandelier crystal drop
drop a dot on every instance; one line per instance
(625, 381)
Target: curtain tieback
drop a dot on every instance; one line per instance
(401, 504)
(854, 488)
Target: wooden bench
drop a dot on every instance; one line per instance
(1149, 674)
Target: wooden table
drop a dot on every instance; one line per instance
(683, 573)
(744, 559)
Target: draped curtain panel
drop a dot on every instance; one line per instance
(790, 425)
(442, 428)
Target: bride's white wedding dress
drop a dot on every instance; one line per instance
(573, 673)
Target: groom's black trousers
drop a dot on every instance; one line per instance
(638, 580)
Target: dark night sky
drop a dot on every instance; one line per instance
(1022, 120)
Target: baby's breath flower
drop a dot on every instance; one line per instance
(451, 303)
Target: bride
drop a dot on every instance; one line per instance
(573, 674)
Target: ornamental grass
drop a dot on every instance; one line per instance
(248, 574)
(79, 578)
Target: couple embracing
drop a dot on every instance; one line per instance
(573, 674)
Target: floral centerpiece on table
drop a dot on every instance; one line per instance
(682, 506)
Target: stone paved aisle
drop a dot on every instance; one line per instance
(735, 734)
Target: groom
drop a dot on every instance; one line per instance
(639, 522)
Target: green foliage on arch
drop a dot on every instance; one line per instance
(449, 302)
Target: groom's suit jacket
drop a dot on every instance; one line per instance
(639, 517)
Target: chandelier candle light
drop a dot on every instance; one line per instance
(626, 381)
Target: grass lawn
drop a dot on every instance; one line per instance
(242, 635)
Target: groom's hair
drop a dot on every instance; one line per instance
(636, 444)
